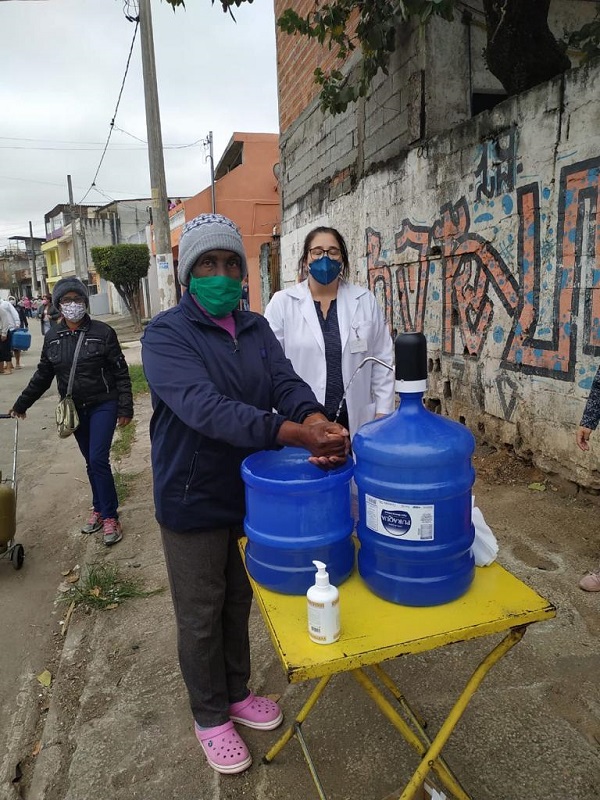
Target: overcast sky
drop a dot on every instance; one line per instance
(62, 63)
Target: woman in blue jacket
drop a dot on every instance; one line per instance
(216, 374)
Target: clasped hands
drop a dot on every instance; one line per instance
(328, 442)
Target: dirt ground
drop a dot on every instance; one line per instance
(548, 537)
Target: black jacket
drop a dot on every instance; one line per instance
(101, 373)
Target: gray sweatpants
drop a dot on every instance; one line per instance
(212, 598)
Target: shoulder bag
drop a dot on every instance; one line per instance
(67, 418)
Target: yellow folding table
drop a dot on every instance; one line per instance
(374, 630)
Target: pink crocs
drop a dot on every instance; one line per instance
(256, 712)
(591, 582)
(224, 748)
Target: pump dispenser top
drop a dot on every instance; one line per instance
(411, 362)
(322, 578)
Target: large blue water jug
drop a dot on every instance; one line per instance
(296, 513)
(20, 339)
(414, 476)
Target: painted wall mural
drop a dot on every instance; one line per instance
(517, 263)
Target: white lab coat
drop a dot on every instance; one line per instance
(12, 313)
(9, 317)
(292, 316)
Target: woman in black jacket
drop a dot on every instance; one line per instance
(101, 393)
(48, 314)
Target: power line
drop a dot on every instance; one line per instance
(67, 141)
(165, 146)
(122, 148)
(131, 134)
(30, 180)
(115, 113)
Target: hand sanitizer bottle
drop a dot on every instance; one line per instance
(323, 608)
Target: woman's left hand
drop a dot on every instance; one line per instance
(122, 421)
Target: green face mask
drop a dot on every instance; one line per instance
(218, 294)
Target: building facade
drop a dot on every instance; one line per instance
(247, 191)
(18, 262)
(480, 230)
(71, 233)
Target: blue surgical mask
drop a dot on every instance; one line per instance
(325, 270)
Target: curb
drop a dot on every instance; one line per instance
(54, 748)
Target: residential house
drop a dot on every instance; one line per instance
(246, 190)
(16, 263)
(72, 231)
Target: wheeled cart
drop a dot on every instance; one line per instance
(8, 506)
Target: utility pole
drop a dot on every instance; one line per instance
(34, 283)
(76, 259)
(160, 210)
(209, 142)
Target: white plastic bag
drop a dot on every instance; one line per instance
(485, 544)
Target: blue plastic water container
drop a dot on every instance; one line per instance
(414, 476)
(296, 513)
(20, 339)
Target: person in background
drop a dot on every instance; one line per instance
(22, 324)
(21, 311)
(327, 326)
(5, 351)
(216, 374)
(245, 299)
(48, 314)
(101, 393)
(9, 322)
(589, 423)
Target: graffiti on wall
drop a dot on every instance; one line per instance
(536, 294)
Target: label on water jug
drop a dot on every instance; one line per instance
(400, 520)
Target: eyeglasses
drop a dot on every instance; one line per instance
(319, 252)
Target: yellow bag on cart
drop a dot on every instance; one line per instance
(8, 514)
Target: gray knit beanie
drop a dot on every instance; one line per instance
(65, 285)
(207, 232)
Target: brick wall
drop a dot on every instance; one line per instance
(297, 59)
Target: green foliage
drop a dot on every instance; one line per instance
(104, 587)
(123, 441)
(375, 36)
(124, 265)
(139, 384)
(123, 484)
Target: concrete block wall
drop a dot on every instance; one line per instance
(487, 238)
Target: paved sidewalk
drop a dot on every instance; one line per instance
(128, 337)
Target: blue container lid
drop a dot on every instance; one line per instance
(289, 468)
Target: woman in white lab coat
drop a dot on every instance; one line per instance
(327, 326)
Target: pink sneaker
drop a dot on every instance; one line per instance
(93, 524)
(591, 582)
(256, 712)
(224, 748)
(111, 531)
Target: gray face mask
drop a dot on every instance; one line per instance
(73, 311)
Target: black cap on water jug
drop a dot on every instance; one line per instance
(411, 357)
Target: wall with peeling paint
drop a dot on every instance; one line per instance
(487, 238)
